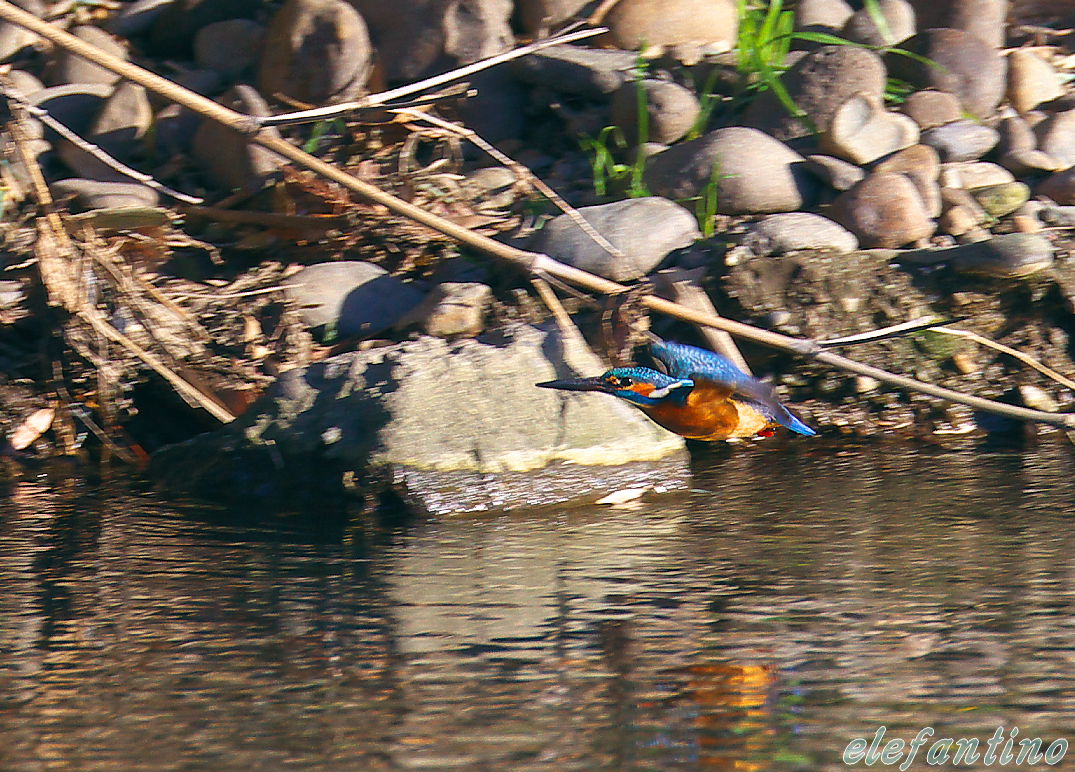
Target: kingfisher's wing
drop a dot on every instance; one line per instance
(681, 361)
(699, 365)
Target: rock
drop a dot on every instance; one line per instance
(1028, 162)
(586, 72)
(819, 83)
(14, 38)
(492, 186)
(830, 15)
(415, 37)
(931, 108)
(399, 416)
(644, 229)
(68, 68)
(1016, 136)
(962, 140)
(688, 27)
(755, 173)
(136, 18)
(839, 174)
(227, 158)
(958, 220)
(174, 130)
(1002, 199)
(74, 105)
(1059, 186)
(985, 19)
(672, 110)
(348, 298)
(315, 51)
(961, 213)
(229, 47)
(969, 68)
(1037, 398)
(498, 111)
(884, 210)
(1058, 216)
(899, 18)
(539, 16)
(974, 174)
(795, 231)
(175, 28)
(960, 197)
(863, 131)
(915, 161)
(1008, 256)
(1031, 80)
(1056, 137)
(922, 166)
(94, 194)
(123, 121)
(452, 310)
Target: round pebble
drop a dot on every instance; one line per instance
(1056, 137)
(863, 131)
(644, 229)
(315, 51)
(963, 140)
(671, 110)
(929, 108)
(1031, 80)
(1003, 199)
(884, 210)
(779, 234)
(752, 172)
(968, 67)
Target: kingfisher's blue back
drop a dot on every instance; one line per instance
(683, 361)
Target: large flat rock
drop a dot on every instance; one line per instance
(449, 426)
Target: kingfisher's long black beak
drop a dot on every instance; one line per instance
(577, 384)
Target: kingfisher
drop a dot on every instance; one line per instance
(701, 395)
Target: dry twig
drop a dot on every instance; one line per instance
(521, 173)
(384, 97)
(16, 96)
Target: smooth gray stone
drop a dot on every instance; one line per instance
(587, 72)
(963, 140)
(644, 229)
(794, 231)
(350, 297)
(1008, 256)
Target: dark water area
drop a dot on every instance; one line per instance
(763, 619)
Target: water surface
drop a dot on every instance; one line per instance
(760, 621)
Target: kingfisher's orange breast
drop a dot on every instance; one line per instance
(709, 414)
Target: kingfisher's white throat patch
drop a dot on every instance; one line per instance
(664, 391)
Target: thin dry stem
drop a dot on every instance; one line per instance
(1024, 358)
(384, 97)
(96, 151)
(520, 172)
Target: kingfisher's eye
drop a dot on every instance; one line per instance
(622, 383)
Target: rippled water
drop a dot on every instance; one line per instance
(760, 621)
